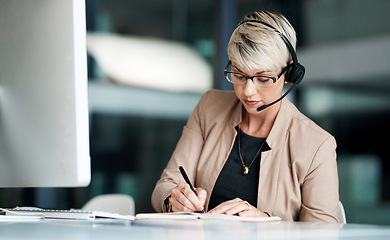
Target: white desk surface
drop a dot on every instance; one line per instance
(198, 229)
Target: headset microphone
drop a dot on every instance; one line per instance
(294, 72)
(272, 103)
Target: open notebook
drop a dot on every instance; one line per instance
(205, 216)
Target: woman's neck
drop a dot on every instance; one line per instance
(260, 124)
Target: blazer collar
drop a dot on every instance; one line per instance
(236, 118)
(282, 122)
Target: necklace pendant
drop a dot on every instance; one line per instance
(245, 171)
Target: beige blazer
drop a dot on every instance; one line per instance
(298, 176)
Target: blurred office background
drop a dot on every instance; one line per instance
(150, 61)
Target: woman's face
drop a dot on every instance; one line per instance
(253, 97)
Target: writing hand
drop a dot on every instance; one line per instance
(183, 199)
(239, 207)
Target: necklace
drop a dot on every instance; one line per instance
(245, 169)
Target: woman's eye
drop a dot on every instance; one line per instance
(238, 76)
(262, 79)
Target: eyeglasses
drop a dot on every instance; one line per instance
(258, 81)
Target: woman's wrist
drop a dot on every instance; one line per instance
(167, 205)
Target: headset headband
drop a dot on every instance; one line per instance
(284, 38)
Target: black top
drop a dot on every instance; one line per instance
(231, 182)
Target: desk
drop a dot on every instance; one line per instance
(209, 229)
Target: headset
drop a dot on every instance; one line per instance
(294, 72)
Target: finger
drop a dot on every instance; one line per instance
(238, 208)
(193, 198)
(220, 208)
(248, 205)
(179, 200)
(253, 212)
(250, 213)
(202, 194)
(178, 207)
(230, 207)
(181, 204)
(176, 191)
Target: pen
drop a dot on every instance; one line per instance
(184, 174)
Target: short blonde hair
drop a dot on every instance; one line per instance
(256, 46)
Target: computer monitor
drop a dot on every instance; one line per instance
(44, 133)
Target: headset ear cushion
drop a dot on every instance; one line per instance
(295, 73)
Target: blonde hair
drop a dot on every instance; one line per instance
(254, 45)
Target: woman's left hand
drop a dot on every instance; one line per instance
(239, 207)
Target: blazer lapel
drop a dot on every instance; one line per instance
(226, 141)
(270, 160)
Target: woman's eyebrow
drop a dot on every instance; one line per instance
(261, 72)
(237, 68)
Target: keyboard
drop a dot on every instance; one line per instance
(76, 214)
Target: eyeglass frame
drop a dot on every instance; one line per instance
(274, 79)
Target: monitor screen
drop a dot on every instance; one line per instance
(44, 134)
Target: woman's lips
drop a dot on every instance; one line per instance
(251, 103)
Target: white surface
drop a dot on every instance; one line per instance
(110, 98)
(7, 218)
(348, 61)
(44, 139)
(150, 62)
(198, 230)
(359, 66)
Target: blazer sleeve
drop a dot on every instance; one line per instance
(186, 154)
(320, 189)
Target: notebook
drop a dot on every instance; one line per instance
(202, 216)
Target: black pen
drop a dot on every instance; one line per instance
(184, 174)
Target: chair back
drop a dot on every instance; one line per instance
(115, 203)
(341, 215)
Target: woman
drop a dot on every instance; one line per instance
(247, 152)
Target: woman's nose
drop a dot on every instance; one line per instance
(249, 87)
